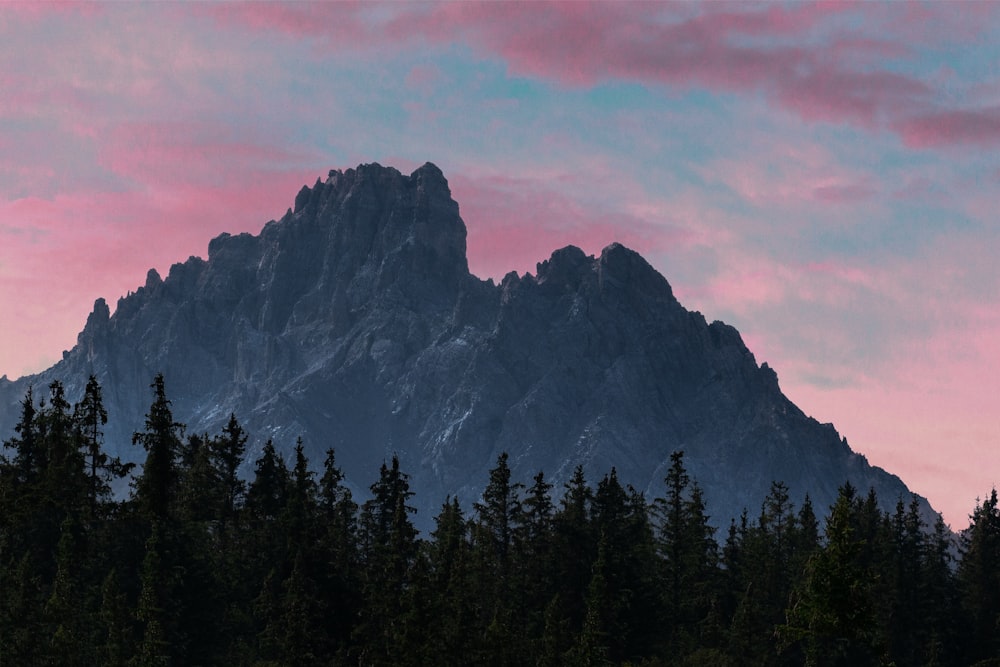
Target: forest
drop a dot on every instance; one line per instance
(197, 566)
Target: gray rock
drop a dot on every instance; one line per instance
(354, 323)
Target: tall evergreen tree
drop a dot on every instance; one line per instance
(574, 552)
(90, 417)
(388, 550)
(227, 452)
(156, 486)
(496, 523)
(453, 599)
(67, 611)
(338, 573)
(268, 491)
(161, 642)
(979, 578)
(116, 622)
(689, 556)
(833, 614)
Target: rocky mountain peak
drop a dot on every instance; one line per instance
(353, 323)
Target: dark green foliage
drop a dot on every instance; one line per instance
(979, 578)
(388, 546)
(198, 567)
(90, 417)
(156, 486)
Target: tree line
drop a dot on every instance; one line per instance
(197, 566)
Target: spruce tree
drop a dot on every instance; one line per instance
(388, 551)
(833, 613)
(66, 610)
(979, 579)
(574, 552)
(227, 451)
(156, 486)
(496, 523)
(90, 417)
(338, 573)
(689, 559)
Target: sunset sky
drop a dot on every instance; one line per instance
(825, 177)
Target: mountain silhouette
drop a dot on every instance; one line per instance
(354, 323)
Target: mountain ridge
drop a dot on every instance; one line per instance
(354, 322)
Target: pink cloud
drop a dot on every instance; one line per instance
(952, 128)
(423, 78)
(194, 152)
(335, 23)
(739, 48)
(844, 193)
(514, 224)
(806, 58)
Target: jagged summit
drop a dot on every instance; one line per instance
(354, 323)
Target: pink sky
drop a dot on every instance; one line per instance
(823, 176)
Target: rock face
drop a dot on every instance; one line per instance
(354, 323)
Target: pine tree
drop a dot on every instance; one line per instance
(833, 614)
(535, 571)
(199, 494)
(388, 550)
(268, 491)
(769, 558)
(90, 418)
(689, 555)
(451, 591)
(63, 487)
(116, 624)
(29, 458)
(302, 636)
(300, 511)
(21, 615)
(227, 451)
(940, 600)
(979, 579)
(338, 551)
(161, 643)
(156, 486)
(600, 619)
(494, 528)
(66, 610)
(574, 553)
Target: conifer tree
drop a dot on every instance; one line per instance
(452, 595)
(156, 486)
(160, 643)
(199, 495)
(227, 451)
(496, 523)
(388, 550)
(71, 643)
(22, 621)
(300, 510)
(116, 624)
(979, 578)
(339, 570)
(29, 458)
(689, 555)
(267, 493)
(535, 574)
(90, 418)
(574, 553)
(64, 486)
(832, 614)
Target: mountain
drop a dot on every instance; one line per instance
(354, 323)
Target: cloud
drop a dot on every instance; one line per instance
(963, 128)
(514, 223)
(820, 61)
(843, 193)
